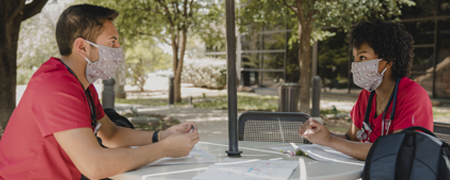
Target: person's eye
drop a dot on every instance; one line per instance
(112, 43)
(362, 58)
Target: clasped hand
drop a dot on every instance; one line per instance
(315, 132)
(179, 139)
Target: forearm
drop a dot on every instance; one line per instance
(112, 161)
(342, 136)
(126, 137)
(355, 149)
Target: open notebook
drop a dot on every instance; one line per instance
(197, 155)
(317, 152)
(245, 169)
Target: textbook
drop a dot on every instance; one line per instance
(197, 155)
(245, 169)
(315, 151)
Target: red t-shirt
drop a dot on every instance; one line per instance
(413, 109)
(53, 101)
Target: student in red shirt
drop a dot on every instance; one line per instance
(389, 102)
(52, 132)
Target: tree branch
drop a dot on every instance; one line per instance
(176, 7)
(168, 14)
(290, 7)
(33, 8)
(19, 9)
(157, 36)
(300, 14)
(185, 8)
(190, 8)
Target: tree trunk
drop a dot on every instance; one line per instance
(9, 36)
(12, 13)
(304, 59)
(178, 48)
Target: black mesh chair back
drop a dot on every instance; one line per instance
(271, 126)
(442, 131)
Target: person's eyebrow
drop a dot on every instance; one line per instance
(360, 52)
(113, 37)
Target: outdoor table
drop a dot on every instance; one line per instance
(251, 150)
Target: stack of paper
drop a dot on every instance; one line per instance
(244, 169)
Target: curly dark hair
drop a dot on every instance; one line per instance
(389, 40)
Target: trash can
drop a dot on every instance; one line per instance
(288, 97)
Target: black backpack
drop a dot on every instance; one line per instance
(408, 154)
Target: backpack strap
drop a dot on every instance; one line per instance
(415, 128)
(444, 164)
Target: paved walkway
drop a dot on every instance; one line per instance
(212, 124)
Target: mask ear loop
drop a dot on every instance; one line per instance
(95, 45)
(385, 69)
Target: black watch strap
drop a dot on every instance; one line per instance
(155, 137)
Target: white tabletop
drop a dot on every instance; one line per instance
(308, 168)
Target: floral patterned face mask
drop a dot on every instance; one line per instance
(365, 74)
(109, 60)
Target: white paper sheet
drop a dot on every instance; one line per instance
(197, 155)
(249, 169)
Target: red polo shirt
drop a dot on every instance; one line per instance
(413, 109)
(53, 101)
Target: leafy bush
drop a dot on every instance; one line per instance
(211, 73)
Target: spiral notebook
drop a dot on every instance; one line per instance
(244, 169)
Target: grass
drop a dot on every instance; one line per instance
(245, 102)
(150, 101)
(439, 112)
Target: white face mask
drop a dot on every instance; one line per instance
(365, 74)
(109, 60)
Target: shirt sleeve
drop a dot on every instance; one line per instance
(358, 110)
(60, 104)
(98, 106)
(414, 109)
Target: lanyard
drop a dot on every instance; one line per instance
(89, 99)
(385, 127)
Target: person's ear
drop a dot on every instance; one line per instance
(389, 64)
(81, 47)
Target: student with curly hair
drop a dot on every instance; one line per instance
(389, 102)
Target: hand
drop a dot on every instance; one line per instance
(180, 144)
(315, 132)
(179, 128)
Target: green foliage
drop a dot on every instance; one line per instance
(37, 42)
(326, 13)
(143, 58)
(333, 59)
(141, 19)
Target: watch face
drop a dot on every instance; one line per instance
(361, 135)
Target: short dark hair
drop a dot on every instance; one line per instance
(82, 20)
(389, 40)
